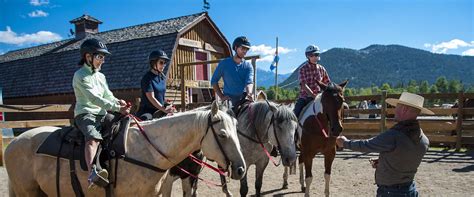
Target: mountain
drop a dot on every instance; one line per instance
(393, 64)
(267, 78)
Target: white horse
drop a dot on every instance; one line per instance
(212, 131)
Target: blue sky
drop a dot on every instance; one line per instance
(439, 26)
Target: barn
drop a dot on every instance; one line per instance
(43, 74)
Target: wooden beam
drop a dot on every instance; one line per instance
(459, 120)
(215, 61)
(35, 123)
(36, 108)
(383, 114)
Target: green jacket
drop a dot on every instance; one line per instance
(92, 93)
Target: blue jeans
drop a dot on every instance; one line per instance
(300, 104)
(399, 190)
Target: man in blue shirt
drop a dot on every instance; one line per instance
(236, 73)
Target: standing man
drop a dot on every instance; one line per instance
(401, 148)
(309, 73)
(236, 73)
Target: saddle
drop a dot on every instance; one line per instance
(69, 142)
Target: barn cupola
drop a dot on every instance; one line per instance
(85, 25)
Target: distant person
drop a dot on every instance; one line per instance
(401, 148)
(236, 73)
(93, 100)
(153, 88)
(309, 73)
(372, 105)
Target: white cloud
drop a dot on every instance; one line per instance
(443, 47)
(267, 52)
(39, 2)
(41, 37)
(38, 13)
(469, 52)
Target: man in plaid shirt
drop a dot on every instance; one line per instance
(309, 73)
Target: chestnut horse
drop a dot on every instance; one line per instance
(321, 123)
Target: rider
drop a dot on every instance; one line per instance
(236, 73)
(153, 87)
(309, 73)
(93, 100)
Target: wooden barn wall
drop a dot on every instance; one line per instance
(204, 33)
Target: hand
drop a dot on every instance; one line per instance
(125, 110)
(122, 102)
(340, 140)
(250, 97)
(374, 162)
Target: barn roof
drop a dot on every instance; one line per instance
(48, 69)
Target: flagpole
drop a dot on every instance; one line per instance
(276, 72)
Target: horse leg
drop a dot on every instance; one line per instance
(224, 186)
(189, 185)
(308, 164)
(301, 165)
(167, 185)
(328, 159)
(244, 188)
(285, 177)
(259, 169)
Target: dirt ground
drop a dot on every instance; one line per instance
(442, 173)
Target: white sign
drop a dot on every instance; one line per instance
(213, 48)
(190, 43)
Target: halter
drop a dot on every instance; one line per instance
(259, 139)
(209, 125)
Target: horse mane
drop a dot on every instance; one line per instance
(285, 113)
(201, 118)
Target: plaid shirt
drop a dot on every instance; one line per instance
(309, 73)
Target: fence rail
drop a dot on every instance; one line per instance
(447, 131)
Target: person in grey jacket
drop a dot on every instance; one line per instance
(401, 148)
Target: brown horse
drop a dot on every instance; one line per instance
(317, 136)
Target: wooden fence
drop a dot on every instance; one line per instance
(439, 128)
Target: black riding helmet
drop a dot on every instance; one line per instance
(241, 41)
(156, 55)
(93, 46)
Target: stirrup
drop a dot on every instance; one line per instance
(99, 178)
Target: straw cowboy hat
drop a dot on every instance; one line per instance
(412, 100)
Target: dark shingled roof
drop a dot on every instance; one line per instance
(85, 17)
(49, 68)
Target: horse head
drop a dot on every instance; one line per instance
(221, 144)
(285, 125)
(332, 100)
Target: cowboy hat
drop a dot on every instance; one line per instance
(412, 100)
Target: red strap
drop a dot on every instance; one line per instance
(204, 164)
(323, 131)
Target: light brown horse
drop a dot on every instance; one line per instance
(317, 136)
(212, 131)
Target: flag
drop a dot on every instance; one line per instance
(274, 63)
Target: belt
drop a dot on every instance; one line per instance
(398, 186)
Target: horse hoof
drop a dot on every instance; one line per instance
(285, 186)
(303, 189)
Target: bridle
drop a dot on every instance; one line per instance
(259, 139)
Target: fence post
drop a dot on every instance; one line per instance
(183, 90)
(254, 64)
(383, 113)
(459, 120)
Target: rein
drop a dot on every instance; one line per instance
(323, 131)
(196, 160)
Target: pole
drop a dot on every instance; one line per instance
(254, 64)
(383, 113)
(276, 72)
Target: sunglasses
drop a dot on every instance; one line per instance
(99, 57)
(314, 55)
(161, 62)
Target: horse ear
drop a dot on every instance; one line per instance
(261, 96)
(214, 108)
(322, 85)
(343, 84)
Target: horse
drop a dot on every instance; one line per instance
(171, 139)
(468, 103)
(326, 110)
(264, 124)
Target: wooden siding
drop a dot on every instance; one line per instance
(204, 33)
